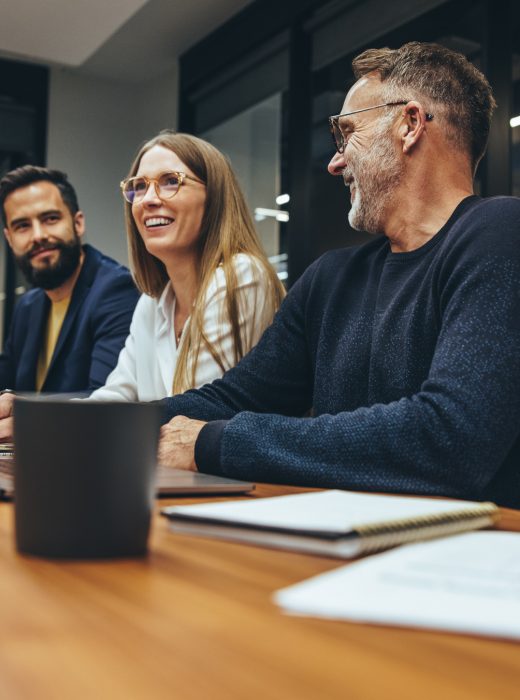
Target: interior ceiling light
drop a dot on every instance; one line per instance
(515, 121)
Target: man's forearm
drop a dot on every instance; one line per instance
(6, 419)
(401, 447)
(177, 443)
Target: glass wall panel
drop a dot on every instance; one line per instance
(23, 129)
(17, 147)
(515, 128)
(251, 140)
(515, 121)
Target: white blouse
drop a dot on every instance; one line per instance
(146, 364)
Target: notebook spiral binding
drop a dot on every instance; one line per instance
(381, 536)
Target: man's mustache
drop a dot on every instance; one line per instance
(347, 177)
(44, 245)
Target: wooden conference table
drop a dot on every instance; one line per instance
(194, 620)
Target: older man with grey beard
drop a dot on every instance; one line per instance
(404, 352)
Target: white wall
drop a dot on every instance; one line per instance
(95, 127)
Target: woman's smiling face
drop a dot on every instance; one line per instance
(169, 226)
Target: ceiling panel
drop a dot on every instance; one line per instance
(128, 40)
(65, 32)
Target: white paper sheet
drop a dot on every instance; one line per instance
(467, 583)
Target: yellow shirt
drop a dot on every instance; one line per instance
(57, 313)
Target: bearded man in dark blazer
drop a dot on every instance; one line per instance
(68, 330)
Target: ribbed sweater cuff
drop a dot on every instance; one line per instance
(207, 447)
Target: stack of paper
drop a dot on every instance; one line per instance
(468, 583)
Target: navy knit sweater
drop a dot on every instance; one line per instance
(409, 363)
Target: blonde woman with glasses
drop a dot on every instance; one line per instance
(208, 289)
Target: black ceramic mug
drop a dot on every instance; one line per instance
(84, 476)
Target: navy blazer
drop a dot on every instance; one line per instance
(93, 332)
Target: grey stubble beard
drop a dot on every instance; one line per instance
(376, 174)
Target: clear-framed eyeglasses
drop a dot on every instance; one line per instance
(166, 185)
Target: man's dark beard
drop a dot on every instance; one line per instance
(55, 275)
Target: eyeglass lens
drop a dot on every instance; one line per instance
(166, 185)
(337, 135)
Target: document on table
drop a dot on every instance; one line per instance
(468, 583)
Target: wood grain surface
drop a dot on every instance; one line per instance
(194, 620)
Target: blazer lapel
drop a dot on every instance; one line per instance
(33, 342)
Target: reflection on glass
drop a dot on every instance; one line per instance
(515, 126)
(251, 140)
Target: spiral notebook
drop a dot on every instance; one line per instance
(340, 524)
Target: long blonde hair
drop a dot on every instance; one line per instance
(226, 230)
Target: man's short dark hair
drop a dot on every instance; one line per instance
(27, 175)
(451, 85)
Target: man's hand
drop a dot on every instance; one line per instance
(177, 443)
(6, 417)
